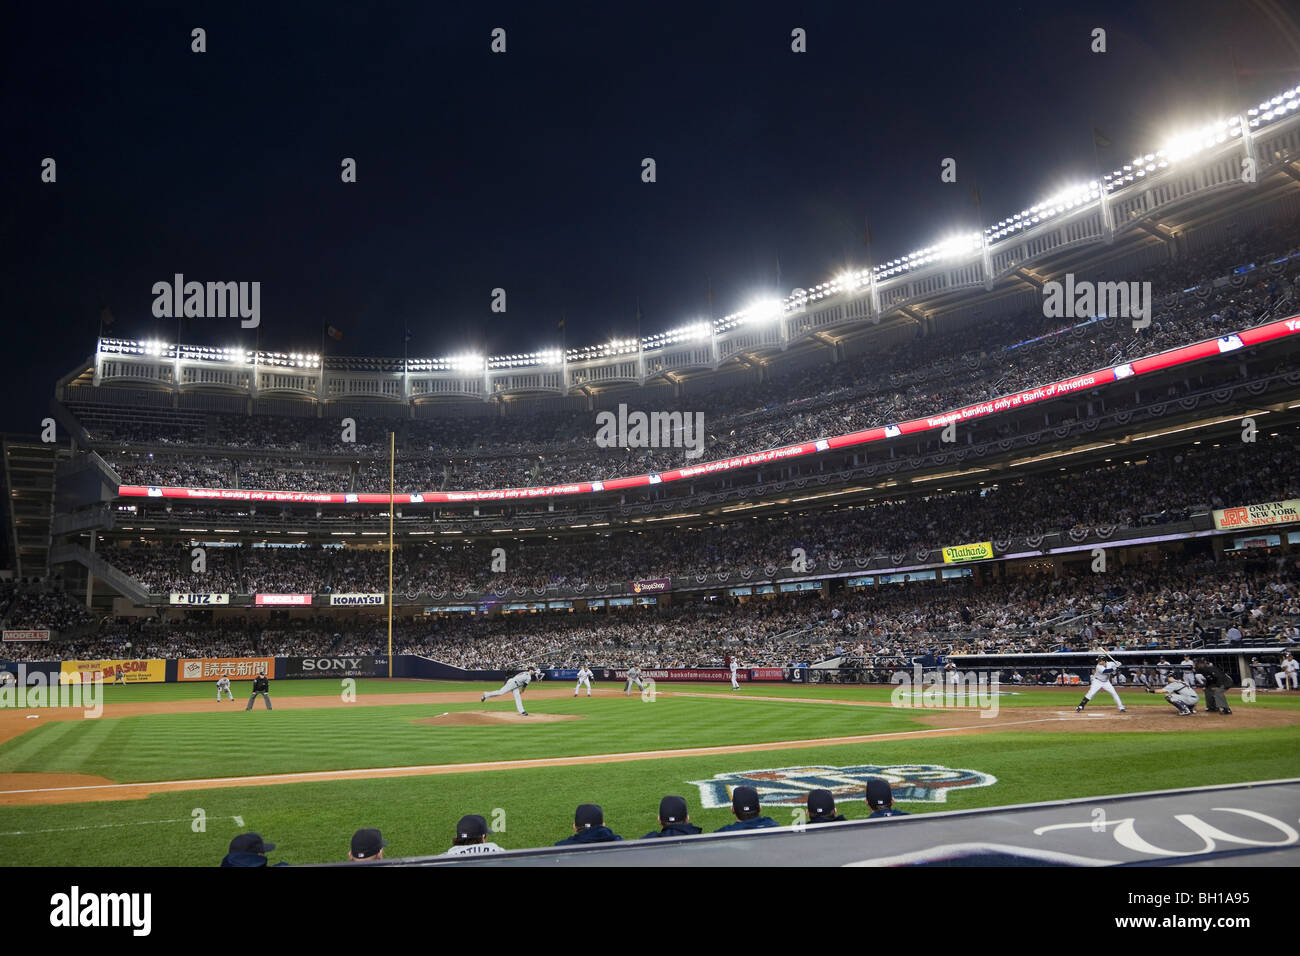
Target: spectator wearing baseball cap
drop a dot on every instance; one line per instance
(367, 844)
(589, 827)
(471, 837)
(821, 807)
(248, 850)
(880, 799)
(744, 804)
(673, 819)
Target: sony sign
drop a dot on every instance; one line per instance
(331, 663)
(326, 667)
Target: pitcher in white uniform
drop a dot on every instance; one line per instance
(514, 685)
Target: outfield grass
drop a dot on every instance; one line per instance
(236, 742)
(312, 822)
(1010, 696)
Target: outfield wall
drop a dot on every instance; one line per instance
(1236, 661)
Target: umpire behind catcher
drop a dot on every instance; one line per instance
(260, 686)
(1216, 683)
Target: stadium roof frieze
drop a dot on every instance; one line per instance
(1198, 171)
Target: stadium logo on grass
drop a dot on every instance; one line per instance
(25, 690)
(651, 430)
(789, 786)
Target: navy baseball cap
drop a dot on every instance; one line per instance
(250, 843)
(672, 809)
(821, 803)
(366, 843)
(472, 825)
(879, 792)
(588, 815)
(744, 800)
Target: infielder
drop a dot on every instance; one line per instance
(223, 687)
(1101, 676)
(584, 677)
(1182, 696)
(1288, 672)
(735, 684)
(514, 685)
(633, 677)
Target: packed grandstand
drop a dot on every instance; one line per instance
(908, 463)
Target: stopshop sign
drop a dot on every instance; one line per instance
(333, 666)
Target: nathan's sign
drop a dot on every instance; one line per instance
(980, 551)
(1257, 516)
(196, 599)
(653, 586)
(40, 635)
(236, 668)
(356, 600)
(133, 672)
(280, 600)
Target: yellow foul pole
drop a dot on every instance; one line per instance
(392, 498)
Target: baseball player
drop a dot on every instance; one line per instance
(223, 687)
(1101, 676)
(514, 685)
(584, 677)
(1288, 672)
(633, 677)
(735, 684)
(1162, 670)
(119, 677)
(471, 838)
(1189, 670)
(1182, 696)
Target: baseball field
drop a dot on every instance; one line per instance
(166, 775)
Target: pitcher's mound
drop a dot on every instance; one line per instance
(489, 718)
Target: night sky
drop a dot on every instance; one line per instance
(523, 170)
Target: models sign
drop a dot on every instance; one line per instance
(38, 635)
(1257, 516)
(283, 599)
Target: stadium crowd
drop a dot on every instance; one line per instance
(1201, 296)
(1163, 487)
(1169, 604)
